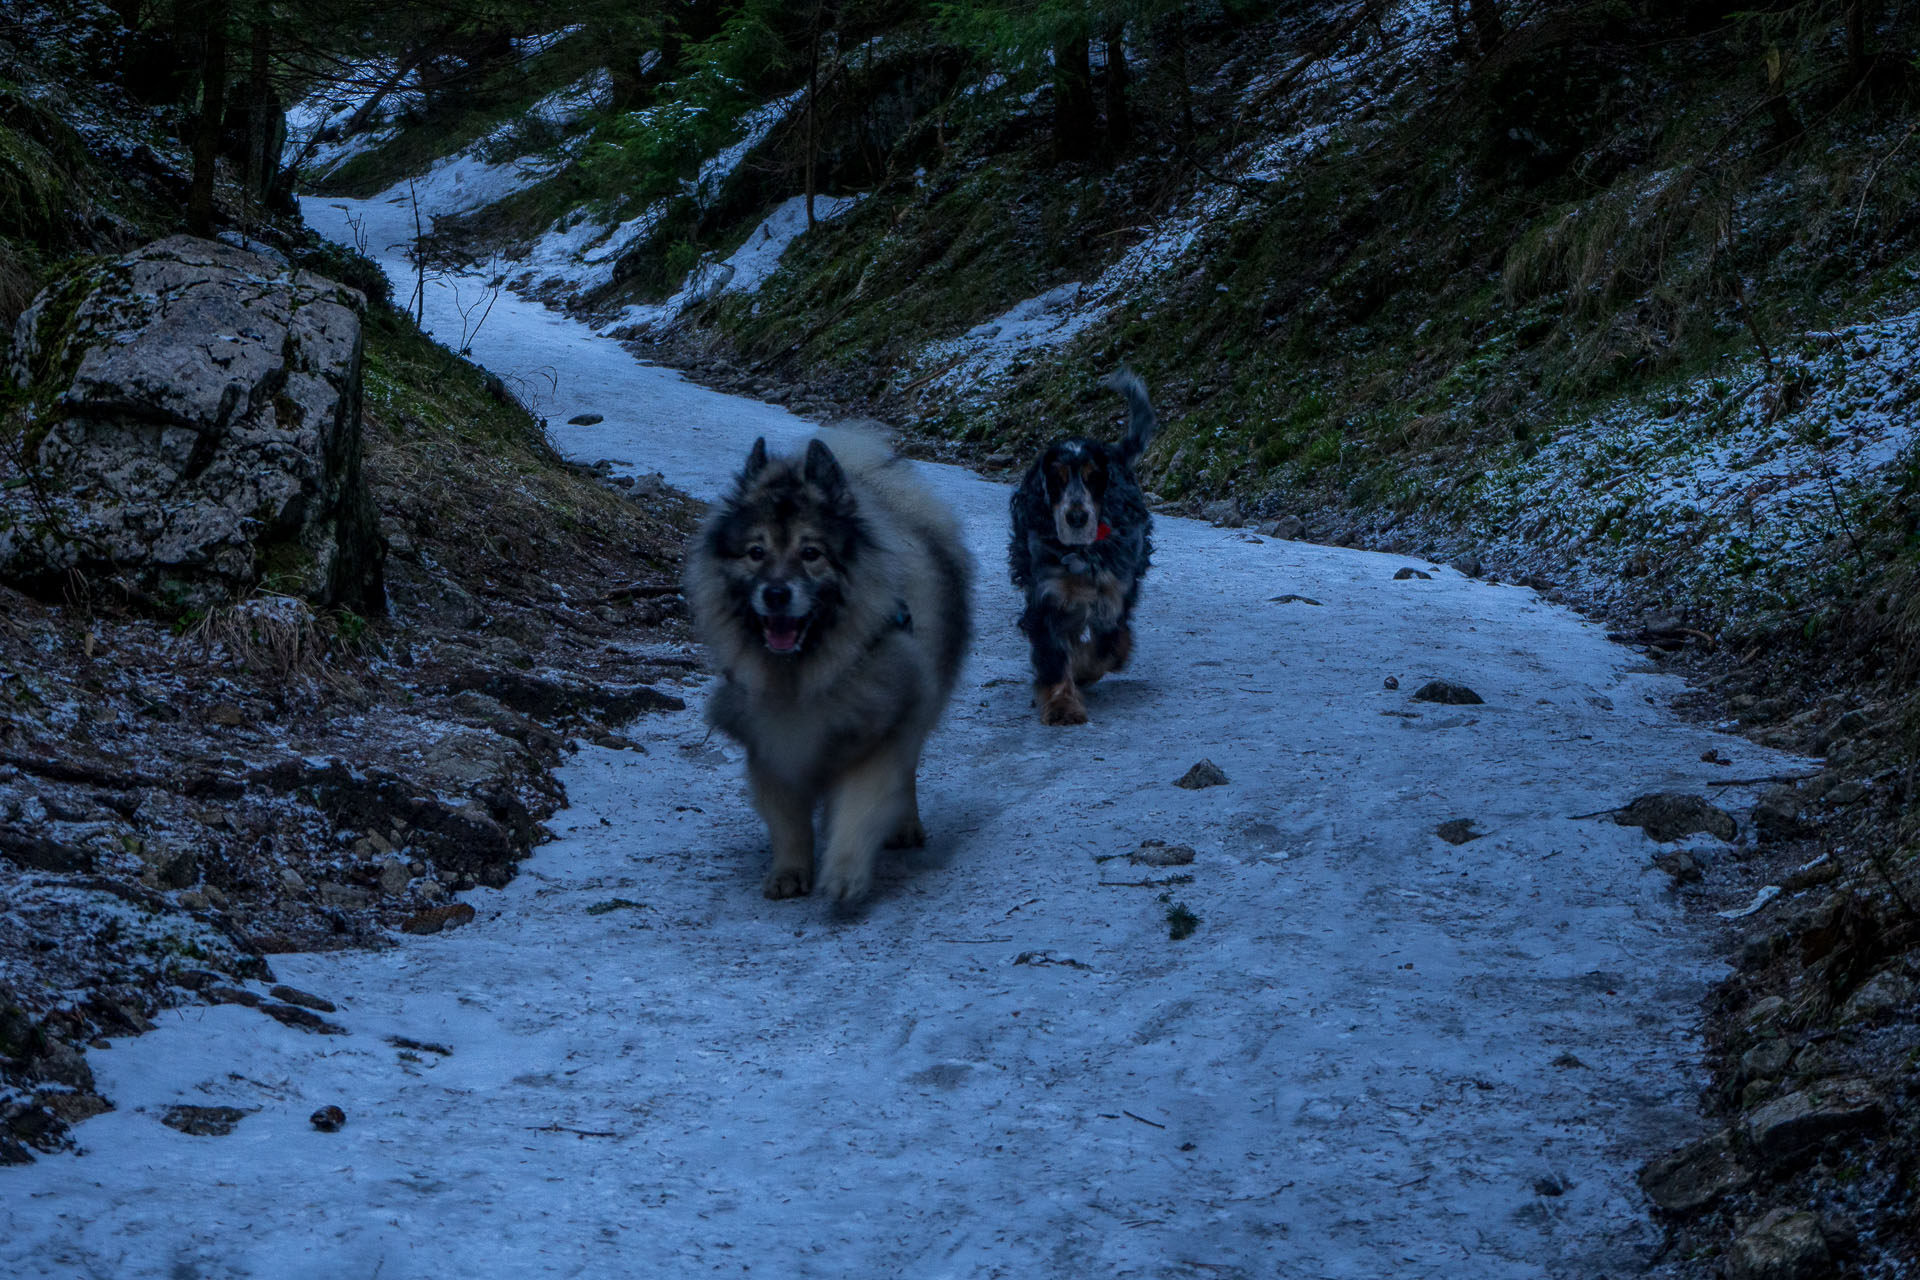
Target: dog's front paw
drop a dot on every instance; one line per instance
(788, 882)
(909, 835)
(846, 881)
(1060, 704)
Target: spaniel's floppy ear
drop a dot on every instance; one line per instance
(1030, 499)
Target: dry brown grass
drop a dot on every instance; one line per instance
(281, 637)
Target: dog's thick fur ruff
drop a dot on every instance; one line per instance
(1081, 543)
(832, 593)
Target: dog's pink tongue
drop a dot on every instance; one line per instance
(783, 634)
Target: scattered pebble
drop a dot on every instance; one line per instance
(205, 1122)
(1158, 853)
(1458, 831)
(1674, 815)
(1680, 864)
(306, 1000)
(328, 1119)
(1407, 573)
(585, 420)
(1453, 695)
(1204, 774)
(1392, 682)
(434, 919)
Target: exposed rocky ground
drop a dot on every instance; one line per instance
(275, 681)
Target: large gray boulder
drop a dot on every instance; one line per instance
(194, 430)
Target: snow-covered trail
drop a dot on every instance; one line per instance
(1379, 1054)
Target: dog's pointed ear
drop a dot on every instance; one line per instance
(823, 469)
(756, 459)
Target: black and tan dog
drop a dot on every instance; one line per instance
(1081, 543)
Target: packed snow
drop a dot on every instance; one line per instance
(1378, 1054)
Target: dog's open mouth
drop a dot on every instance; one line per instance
(783, 635)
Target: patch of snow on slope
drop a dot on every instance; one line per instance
(577, 254)
(533, 46)
(564, 106)
(328, 109)
(1755, 473)
(755, 125)
(1333, 92)
(744, 271)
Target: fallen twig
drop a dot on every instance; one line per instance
(1142, 1119)
(578, 1133)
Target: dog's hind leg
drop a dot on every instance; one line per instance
(866, 806)
(910, 834)
(1106, 652)
(788, 812)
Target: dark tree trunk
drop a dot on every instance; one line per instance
(1119, 125)
(625, 81)
(263, 117)
(1072, 99)
(213, 97)
(1786, 125)
(1486, 23)
(1177, 49)
(1857, 39)
(813, 111)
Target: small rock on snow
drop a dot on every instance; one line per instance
(1204, 774)
(1673, 815)
(1404, 574)
(204, 1122)
(585, 420)
(306, 1000)
(1680, 864)
(1453, 695)
(290, 1015)
(1458, 831)
(1158, 853)
(328, 1119)
(434, 919)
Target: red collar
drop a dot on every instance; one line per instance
(1104, 532)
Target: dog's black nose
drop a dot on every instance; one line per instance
(1077, 517)
(776, 596)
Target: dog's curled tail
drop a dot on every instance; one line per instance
(1141, 423)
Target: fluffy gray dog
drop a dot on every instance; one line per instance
(833, 595)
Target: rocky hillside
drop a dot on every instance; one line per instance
(298, 610)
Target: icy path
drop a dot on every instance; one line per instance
(1379, 1055)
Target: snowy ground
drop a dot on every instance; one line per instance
(1379, 1054)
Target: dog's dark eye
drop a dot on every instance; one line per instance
(809, 553)
(756, 552)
